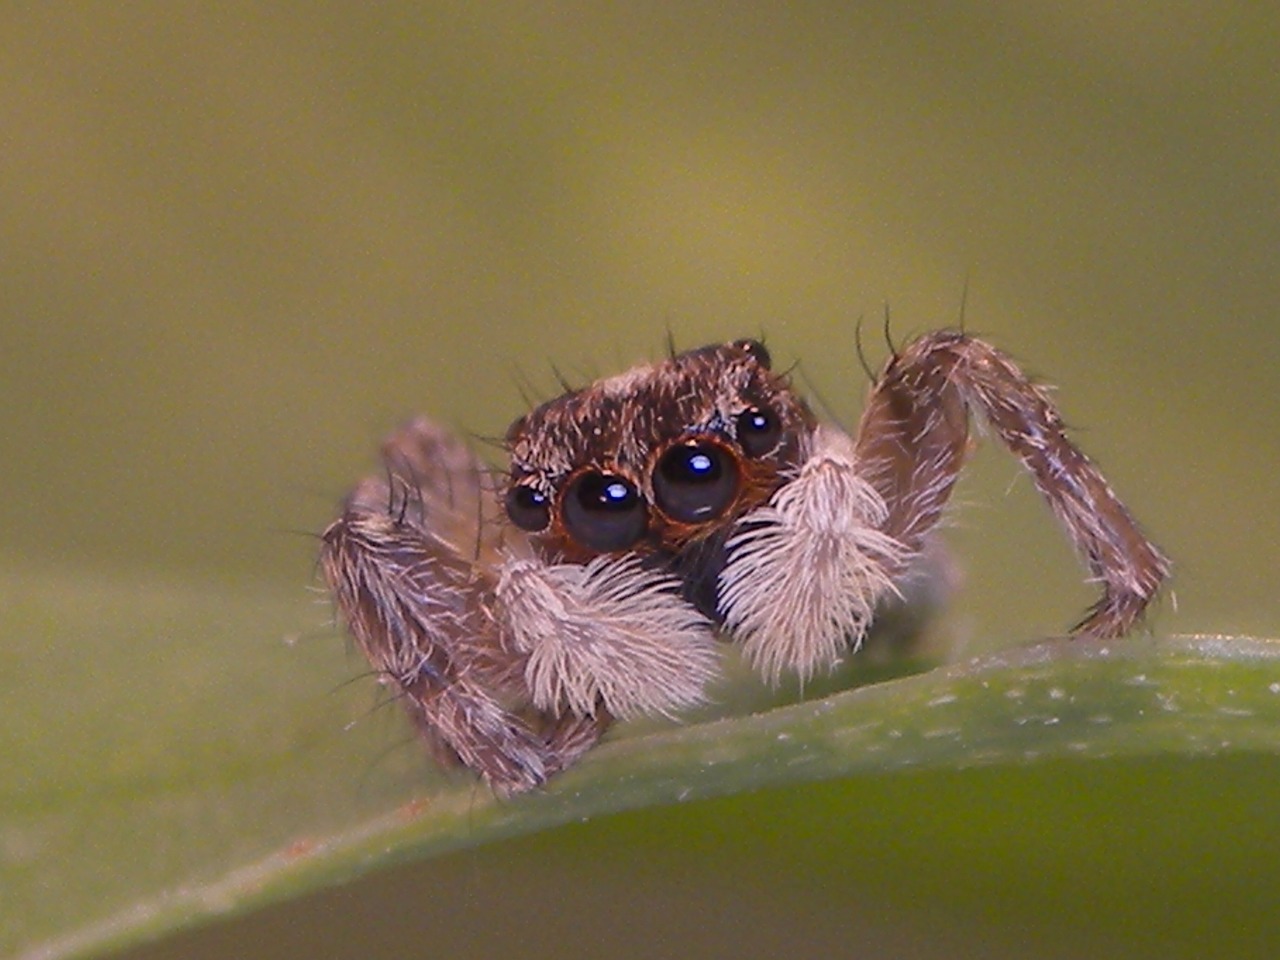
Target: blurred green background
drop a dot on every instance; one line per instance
(238, 242)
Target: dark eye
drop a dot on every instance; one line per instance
(604, 512)
(695, 482)
(756, 350)
(759, 431)
(528, 508)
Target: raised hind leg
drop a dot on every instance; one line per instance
(914, 436)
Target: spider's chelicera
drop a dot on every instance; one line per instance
(649, 513)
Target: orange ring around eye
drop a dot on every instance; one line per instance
(603, 512)
(696, 480)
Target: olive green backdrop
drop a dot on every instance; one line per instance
(239, 241)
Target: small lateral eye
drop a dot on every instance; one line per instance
(604, 512)
(759, 431)
(695, 482)
(528, 508)
(756, 350)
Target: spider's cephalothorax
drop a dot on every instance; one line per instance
(659, 461)
(648, 510)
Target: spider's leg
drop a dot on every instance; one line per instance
(803, 573)
(400, 562)
(570, 736)
(610, 637)
(914, 436)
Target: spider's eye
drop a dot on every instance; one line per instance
(528, 508)
(756, 350)
(695, 482)
(759, 430)
(604, 512)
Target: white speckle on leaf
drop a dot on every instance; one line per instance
(1057, 693)
(942, 700)
(858, 729)
(941, 732)
(1235, 712)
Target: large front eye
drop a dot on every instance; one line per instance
(695, 482)
(604, 512)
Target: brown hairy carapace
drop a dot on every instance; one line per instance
(645, 515)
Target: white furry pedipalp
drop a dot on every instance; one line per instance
(609, 634)
(805, 571)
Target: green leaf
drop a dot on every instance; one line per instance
(177, 754)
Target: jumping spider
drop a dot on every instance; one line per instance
(651, 511)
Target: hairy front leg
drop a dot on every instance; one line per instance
(405, 565)
(805, 572)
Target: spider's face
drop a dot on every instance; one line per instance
(657, 458)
